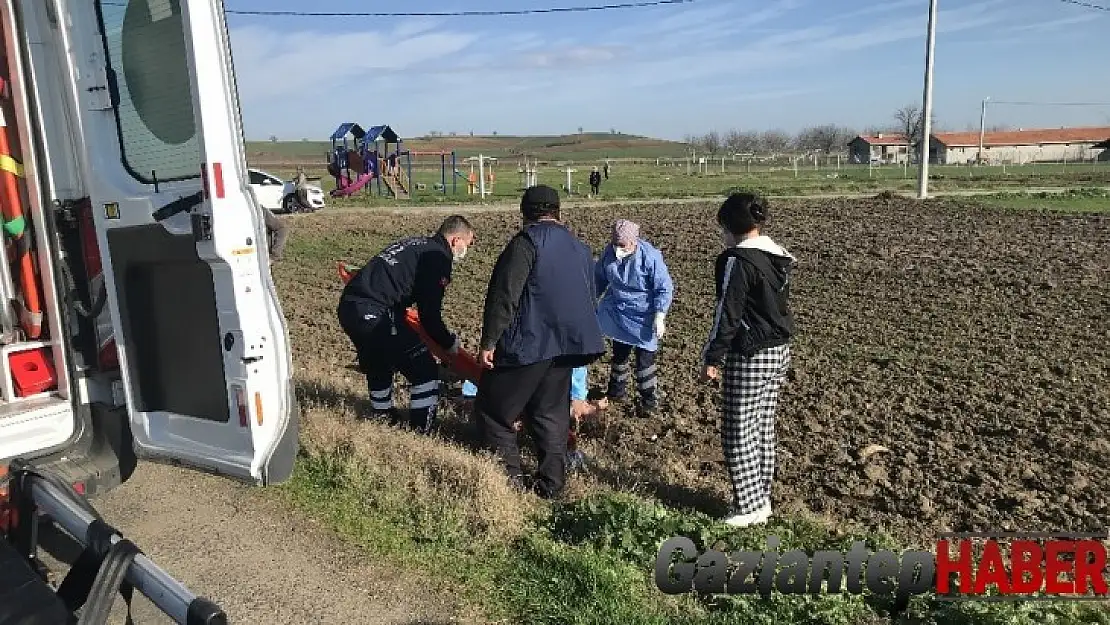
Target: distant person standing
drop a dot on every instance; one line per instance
(750, 337)
(300, 187)
(538, 325)
(607, 170)
(595, 182)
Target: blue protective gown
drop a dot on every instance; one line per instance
(635, 289)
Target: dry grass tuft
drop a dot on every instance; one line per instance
(435, 474)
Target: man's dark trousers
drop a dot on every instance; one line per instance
(541, 392)
(389, 346)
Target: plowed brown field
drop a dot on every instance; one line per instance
(970, 343)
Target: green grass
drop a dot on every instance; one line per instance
(591, 560)
(646, 181)
(1085, 200)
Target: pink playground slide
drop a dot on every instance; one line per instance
(349, 188)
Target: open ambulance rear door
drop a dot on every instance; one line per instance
(203, 346)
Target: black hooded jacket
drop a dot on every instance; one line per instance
(753, 293)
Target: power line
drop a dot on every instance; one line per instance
(1097, 7)
(577, 9)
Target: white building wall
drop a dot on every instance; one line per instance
(1019, 154)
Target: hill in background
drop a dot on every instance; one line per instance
(584, 147)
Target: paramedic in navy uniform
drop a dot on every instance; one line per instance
(539, 323)
(415, 270)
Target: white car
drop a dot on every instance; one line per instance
(278, 195)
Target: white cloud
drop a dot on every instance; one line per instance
(567, 58)
(273, 63)
(416, 26)
(1056, 24)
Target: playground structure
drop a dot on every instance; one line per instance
(361, 159)
(481, 183)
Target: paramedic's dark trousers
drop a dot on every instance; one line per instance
(647, 378)
(541, 392)
(390, 346)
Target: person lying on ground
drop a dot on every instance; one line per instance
(415, 270)
(538, 324)
(636, 292)
(750, 338)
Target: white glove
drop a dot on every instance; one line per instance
(660, 327)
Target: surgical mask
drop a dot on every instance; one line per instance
(622, 253)
(460, 254)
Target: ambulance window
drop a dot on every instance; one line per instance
(145, 44)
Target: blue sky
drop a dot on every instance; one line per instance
(663, 71)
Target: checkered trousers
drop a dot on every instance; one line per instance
(751, 393)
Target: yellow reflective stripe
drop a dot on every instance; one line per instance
(11, 165)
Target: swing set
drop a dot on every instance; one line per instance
(481, 182)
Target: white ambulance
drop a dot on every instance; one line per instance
(138, 317)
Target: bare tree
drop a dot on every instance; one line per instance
(743, 142)
(711, 142)
(693, 143)
(872, 131)
(911, 123)
(775, 141)
(273, 138)
(828, 138)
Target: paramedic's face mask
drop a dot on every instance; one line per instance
(460, 246)
(624, 252)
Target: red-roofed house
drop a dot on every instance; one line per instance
(880, 148)
(1019, 146)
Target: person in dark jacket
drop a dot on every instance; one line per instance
(750, 338)
(415, 270)
(538, 325)
(595, 181)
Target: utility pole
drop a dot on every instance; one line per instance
(482, 176)
(982, 128)
(927, 104)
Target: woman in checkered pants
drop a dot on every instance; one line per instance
(750, 341)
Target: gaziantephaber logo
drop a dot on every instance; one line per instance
(997, 566)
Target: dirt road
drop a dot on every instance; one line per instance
(258, 560)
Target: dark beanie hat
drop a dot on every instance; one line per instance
(539, 201)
